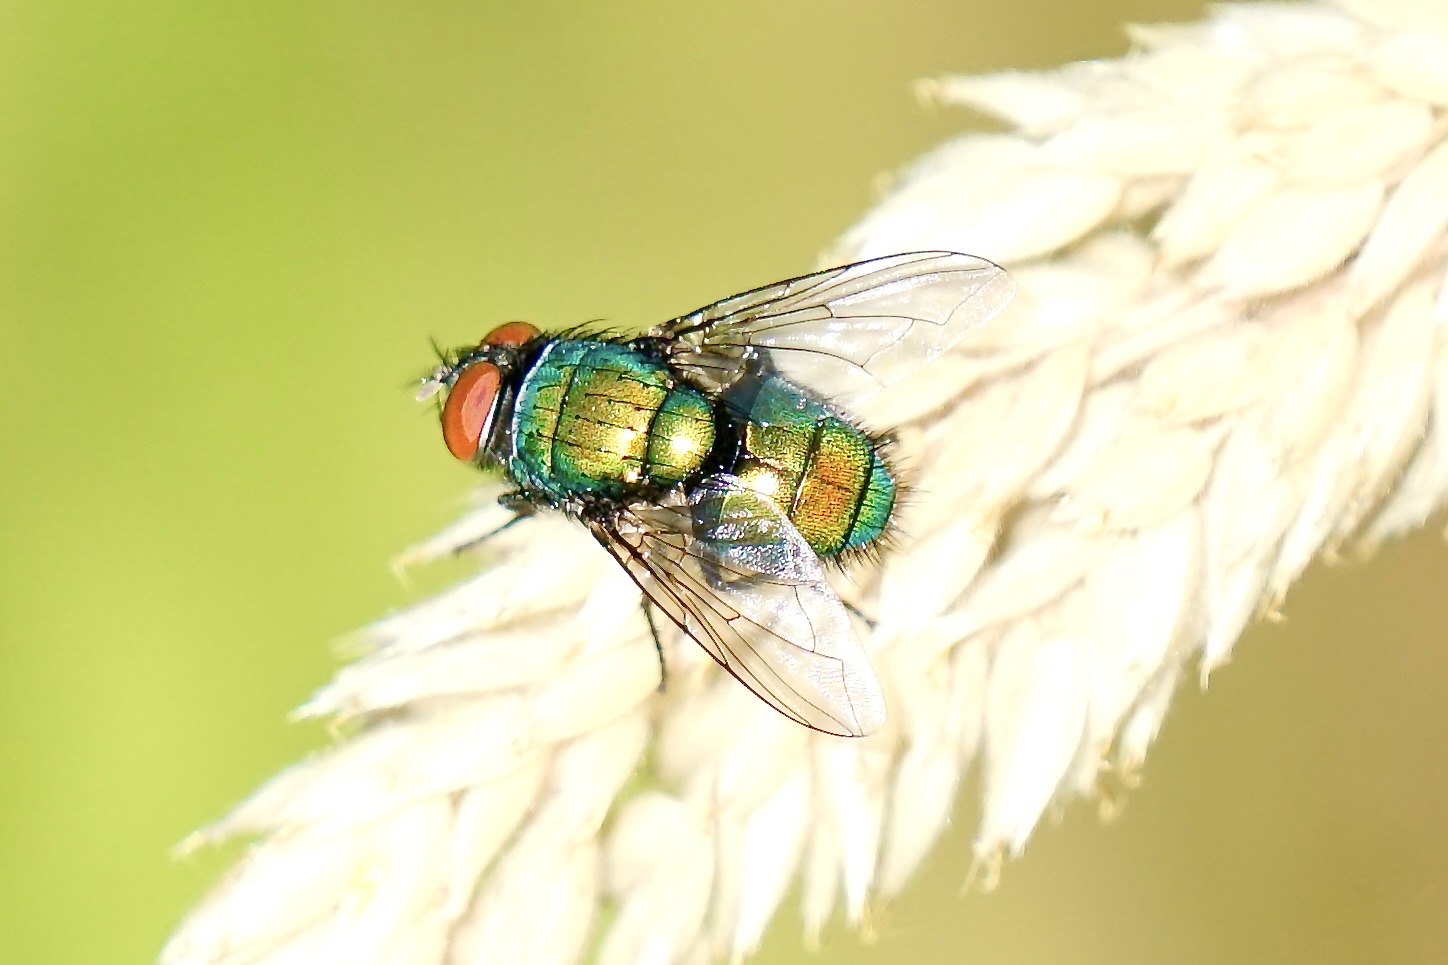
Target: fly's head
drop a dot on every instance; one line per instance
(477, 386)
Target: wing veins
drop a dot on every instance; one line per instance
(819, 689)
(836, 307)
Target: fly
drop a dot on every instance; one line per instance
(716, 460)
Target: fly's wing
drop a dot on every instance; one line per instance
(845, 332)
(732, 571)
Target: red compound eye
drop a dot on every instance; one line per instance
(512, 333)
(465, 413)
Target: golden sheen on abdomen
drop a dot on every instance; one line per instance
(825, 473)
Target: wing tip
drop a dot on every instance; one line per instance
(869, 726)
(866, 701)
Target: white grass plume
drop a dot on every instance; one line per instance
(1226, 357)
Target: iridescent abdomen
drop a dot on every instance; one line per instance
(599, 418)
(824, 472)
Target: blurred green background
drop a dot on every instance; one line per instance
(228, 232)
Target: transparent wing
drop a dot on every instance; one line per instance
(845, 332)
(732, 571)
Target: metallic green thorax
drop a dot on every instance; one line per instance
(600, 418)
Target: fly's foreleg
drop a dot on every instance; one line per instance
(519, 502)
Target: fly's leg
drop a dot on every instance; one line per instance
(658, 643)
(522, 502)
(859, 613)
(519, 502)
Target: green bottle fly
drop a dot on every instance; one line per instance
(716, 460)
